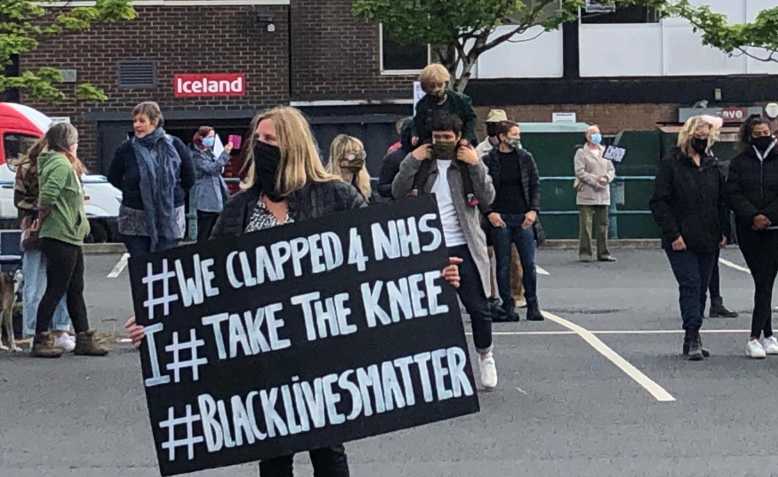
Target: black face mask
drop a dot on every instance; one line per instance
(762, 143)
(266, 159)
(700, 145)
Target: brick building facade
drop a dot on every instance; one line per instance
(316, 55)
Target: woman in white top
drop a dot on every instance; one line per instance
(593, 175)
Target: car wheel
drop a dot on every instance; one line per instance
(98, 232)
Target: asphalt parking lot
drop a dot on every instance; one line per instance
(597, 389)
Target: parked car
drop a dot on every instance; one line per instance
(20, 127)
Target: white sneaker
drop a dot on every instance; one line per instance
(66, 342)
(770, 345)
(488, 371)
(754, 350)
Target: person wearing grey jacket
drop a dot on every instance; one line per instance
(593, 175)
(461, 222)
(209, 192)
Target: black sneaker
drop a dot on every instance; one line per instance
(504, 315)
(534, 314)
(695, 349)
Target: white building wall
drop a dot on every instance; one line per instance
(667, 48)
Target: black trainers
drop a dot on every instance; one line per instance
(505, 315)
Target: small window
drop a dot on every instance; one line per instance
(137, 74)
(16, 146)
(399, 58)
(607, 12)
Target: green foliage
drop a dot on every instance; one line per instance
(461, 30)
(24, 23)
(745, 38)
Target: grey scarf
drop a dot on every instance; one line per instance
(159, 165)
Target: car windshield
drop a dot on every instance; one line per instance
(16, 146)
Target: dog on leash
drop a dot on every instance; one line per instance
(8, 288)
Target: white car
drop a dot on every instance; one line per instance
(102, 203)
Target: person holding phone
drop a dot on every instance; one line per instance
(209, 192)
(752, 190)
(689, 206)
(514, 216)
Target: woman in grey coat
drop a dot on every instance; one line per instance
(209, 192)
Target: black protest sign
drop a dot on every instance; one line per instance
(301, 336)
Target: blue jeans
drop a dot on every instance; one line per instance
(138, 245)
(524, 240)
(692, 270)
(34, 270)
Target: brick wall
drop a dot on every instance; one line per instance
(336, 56)
(611, 118)
(179, 40)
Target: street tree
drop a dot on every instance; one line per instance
(756, 39)
(25, 23)
(460, 31)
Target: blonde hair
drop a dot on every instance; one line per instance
(686, 134)
(434, 73)
(342, 145)
(151, 110)
(247, 169)
(300, 162)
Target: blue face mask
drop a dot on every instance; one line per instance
(596, 138)
(209, 141)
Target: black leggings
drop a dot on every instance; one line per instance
(760, 249)
(327, 462)
(64, 277)
(205, 223)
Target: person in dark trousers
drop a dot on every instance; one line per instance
(717, 308)
(390, 166)
(154, 171)
(752, 190)
(62, 227)
(447, 160)
(514, 216)
(209, 192)
(287, 183)
(689, 206)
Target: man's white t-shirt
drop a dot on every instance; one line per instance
(452, 229)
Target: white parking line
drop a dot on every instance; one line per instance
(612, 332)
(648, 384)
(734, 266)
(120, 266)
(541, 271)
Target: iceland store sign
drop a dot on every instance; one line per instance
(190, 85)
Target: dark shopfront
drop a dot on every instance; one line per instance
(373, 125)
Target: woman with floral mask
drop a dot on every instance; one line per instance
(347, 161)
(593, 175)
(209, 192)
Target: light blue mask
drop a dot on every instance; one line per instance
(596, 138)
(209, 141)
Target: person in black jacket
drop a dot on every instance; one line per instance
(391, 163)
(514, 216)
(154, 171)
(439, 98)
(752, 190)
(689, 207)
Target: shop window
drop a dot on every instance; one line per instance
(137, 74)
(399, 58)
(607, 12)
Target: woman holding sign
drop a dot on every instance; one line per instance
(209, 192)
(287, 183)
(593, 175)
